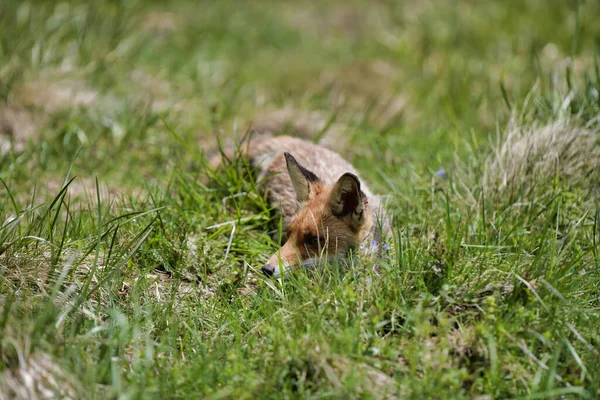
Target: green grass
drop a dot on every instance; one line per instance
(129, 269)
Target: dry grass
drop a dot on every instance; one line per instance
(54, 93)
(161, 22)
(374, 382)
(36, 376)
(531, 156)
(32, 103)
(528, 157)
(331, 21)
(309, 125)
(17, 125)
(372, 86)
(335, 371)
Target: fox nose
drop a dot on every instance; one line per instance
(268, 270)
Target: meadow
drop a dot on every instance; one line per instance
(129, 268)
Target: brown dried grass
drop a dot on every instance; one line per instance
(528, 157)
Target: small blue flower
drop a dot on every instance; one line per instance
(441, 173)
(374, 245)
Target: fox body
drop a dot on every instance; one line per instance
(326, 210)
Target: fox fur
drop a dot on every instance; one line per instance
(326, 208)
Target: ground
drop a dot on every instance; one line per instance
(130, 269)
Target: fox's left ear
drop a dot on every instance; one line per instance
(301, 178)
(346, 198)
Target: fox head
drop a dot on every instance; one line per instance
(329, 220)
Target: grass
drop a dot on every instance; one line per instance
(129, 269)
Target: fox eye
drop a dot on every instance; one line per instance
(311, 240)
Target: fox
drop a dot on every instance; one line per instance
(326, 209)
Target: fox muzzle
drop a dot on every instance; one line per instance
(268, 270)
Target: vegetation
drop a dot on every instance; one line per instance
(131, 269)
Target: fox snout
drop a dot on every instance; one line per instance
(268, 270)
(280, 261)
(292, 256)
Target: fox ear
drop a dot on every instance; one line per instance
(300, 176)
(346, 198)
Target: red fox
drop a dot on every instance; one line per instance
(325, 208)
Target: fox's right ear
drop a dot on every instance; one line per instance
(300, 176)
(346, 198)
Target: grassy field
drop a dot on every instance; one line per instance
(128, 269)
